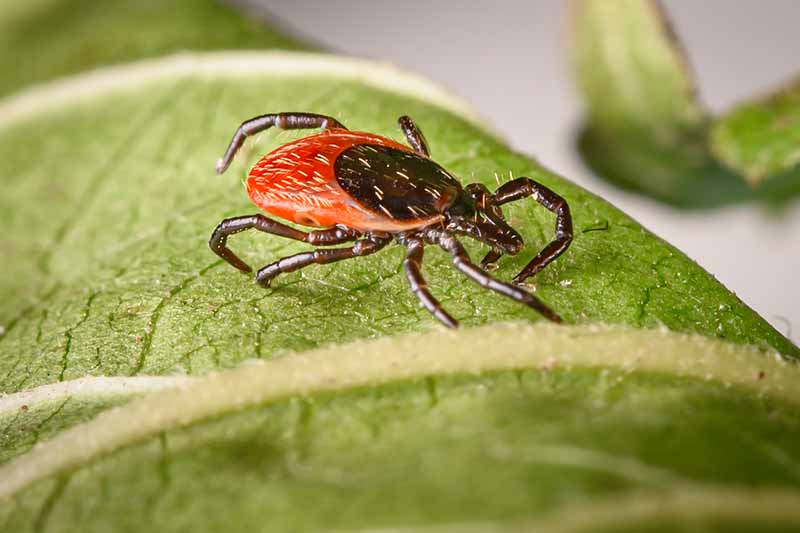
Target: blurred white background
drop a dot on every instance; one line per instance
(509, 60)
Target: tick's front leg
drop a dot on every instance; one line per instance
(464, 264)
(524, 187)
(414, 135)
(489, 261)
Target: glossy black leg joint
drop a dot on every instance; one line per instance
(464, 264)
(412, 265)
(524, 187)
(491, 258)
(285, 121)
(414, 135)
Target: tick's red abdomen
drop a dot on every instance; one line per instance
(297, 183)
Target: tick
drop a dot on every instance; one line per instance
(367, 189)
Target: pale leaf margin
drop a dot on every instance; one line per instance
(496, 347)
(82, 87)
(90, 387)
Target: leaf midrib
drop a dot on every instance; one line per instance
(692, 502)
(496, 347)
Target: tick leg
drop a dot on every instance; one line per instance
(463, 263)
(491, 258)
(414, 135)
(285, 121)
(318, 257)
(230, 226)
(419, 287)
(523, 187)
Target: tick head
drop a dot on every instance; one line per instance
(475, 214)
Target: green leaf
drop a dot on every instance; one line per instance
(632, 72)
(645, 127)
(761, 138)
(43, 39)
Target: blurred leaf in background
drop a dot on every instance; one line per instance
(44, 39)
(761, 139)
(646, 129)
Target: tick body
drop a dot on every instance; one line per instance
(361, 187)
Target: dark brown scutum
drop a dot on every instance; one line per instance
(395, 183)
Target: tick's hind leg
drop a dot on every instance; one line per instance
(523, 187)
(285, 121)
(219, 239)
(463, 263)
(319, 257)
(414, 135)
(412, 265)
